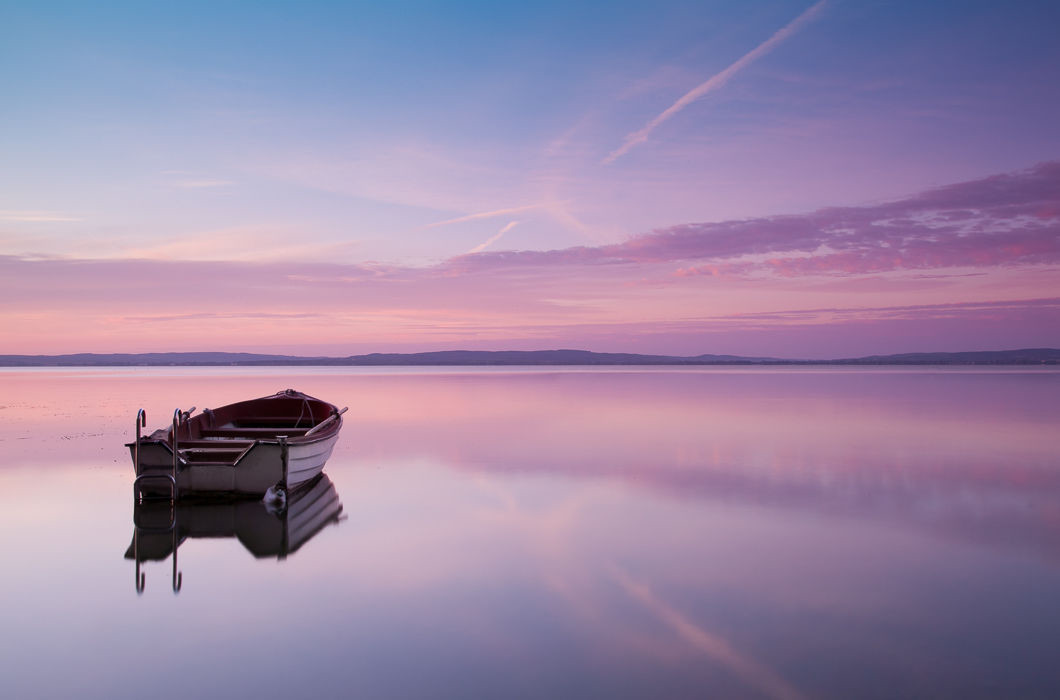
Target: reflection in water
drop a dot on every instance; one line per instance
(971, 456)
(161, 526)
(711, 645)
(629, 533)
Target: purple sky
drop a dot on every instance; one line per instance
(789, 179)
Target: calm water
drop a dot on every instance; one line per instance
(773, 533)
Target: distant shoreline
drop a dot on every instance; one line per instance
(485, 358)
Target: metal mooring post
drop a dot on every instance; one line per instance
(141, 421)
(284, 452)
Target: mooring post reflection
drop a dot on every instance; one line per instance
(158, 520)
(160, 527)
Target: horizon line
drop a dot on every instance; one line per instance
(1017, 356)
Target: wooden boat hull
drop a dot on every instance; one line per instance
(257, 471)
(227, 451)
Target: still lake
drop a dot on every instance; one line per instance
(552, 532)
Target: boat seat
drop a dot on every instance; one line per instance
(254, 433)
(212, 450)
(291, 423)
(211, 459)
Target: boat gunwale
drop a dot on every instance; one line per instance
(164, 436)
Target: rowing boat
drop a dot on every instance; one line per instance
(244, 448)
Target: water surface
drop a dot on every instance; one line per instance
(650, 532)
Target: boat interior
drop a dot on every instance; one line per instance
(286, 413)
(225, 435)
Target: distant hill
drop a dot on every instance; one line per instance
(1032, 356)
(542, 357)
(1029, 356)
(85, 359)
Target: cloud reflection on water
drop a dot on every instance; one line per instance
(968, 456)
(775, 532)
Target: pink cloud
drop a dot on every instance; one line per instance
(67, 306)
(964, 267)
(1010, 219)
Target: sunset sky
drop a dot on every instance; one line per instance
(772, 178)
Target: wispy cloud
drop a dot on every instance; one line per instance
(1009, 219)
(743, 287)
(919, 312)
(202, 184)
(716, 81)
(210, 315)
(484, 215)
(190, 180)
(34, 216)
(493, 239)
(80, 304)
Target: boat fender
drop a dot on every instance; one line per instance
(275, 499)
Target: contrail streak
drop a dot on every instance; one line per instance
(493, 239)
(713, 646)
(716, 81)
(483, 215)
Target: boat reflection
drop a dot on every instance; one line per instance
(160, 527)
